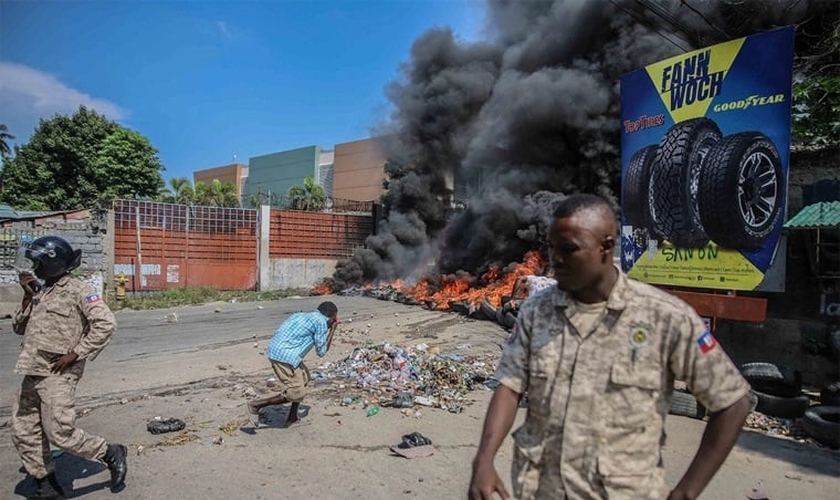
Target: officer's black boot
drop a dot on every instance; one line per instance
(115, 460)
(47, 489)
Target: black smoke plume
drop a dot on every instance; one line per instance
(486, 137)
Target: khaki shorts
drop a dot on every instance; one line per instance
(293, 380)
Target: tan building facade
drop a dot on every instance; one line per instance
(358, 170)
(234, 174)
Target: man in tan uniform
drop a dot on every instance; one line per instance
(64, 323)
(598, 356)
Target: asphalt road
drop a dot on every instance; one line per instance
(201, 368)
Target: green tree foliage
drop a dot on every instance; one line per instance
(180, 191)
(5, 150)
(73, 162)
(816, 94)
(310, 196)
(127, 164)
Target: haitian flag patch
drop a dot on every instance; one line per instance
(93, 298)
(706, 342)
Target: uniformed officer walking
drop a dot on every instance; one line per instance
(598, 355)
(64, 323)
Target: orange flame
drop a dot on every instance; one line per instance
(321, 289)
(492, 286)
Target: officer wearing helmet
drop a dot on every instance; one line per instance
(64, 323)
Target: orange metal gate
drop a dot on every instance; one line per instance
(161, 245)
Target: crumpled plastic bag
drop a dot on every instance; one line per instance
(413, 440)
(161, 426)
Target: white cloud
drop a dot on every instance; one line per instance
(223, 29)
(25, 89)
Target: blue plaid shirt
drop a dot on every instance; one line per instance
(296, 336)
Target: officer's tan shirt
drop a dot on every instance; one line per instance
(598, 398)
(68, 316)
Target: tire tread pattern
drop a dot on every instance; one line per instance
(671, 178)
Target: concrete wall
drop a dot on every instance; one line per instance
(91, 236)
(359, 170)
(297, 273)
(275, 173)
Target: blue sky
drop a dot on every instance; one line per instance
(205, 80)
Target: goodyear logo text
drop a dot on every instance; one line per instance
(689, 81)
(753, 100)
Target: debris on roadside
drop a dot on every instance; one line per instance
(418, 375)
(159, 425)
(773, 426)
(182, 437)
(414, 445)
(246, 390)
(233, 426)
(758, 493)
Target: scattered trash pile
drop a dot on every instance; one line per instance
(417, 375)
(773, 426)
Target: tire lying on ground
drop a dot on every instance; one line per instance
(741, 190)
(823, 424)
(675, 178)
(683, 403)
(488, 309)
(781, 407)
(830, 395)
(510, 319)
(500, 316)
(777, 380)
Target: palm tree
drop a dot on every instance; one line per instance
(310, 196)
(221, 194)
(5, 150)
(181, 191)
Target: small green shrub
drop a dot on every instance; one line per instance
(193, 296)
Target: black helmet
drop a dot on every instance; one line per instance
(52, 257)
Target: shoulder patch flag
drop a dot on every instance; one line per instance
(92, 298)
(706, 342)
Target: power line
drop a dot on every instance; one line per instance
(648, 25)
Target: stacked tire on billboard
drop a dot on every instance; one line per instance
(697, 185)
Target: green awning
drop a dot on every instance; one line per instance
(822, 215)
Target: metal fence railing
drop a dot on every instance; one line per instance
(170, 217)
(284, 202)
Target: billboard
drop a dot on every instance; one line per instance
(705, 141)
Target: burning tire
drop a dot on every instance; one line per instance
(635, 192)
(675, 179)
(488, 309)
(741, 190)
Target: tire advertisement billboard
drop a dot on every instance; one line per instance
(705, 141)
